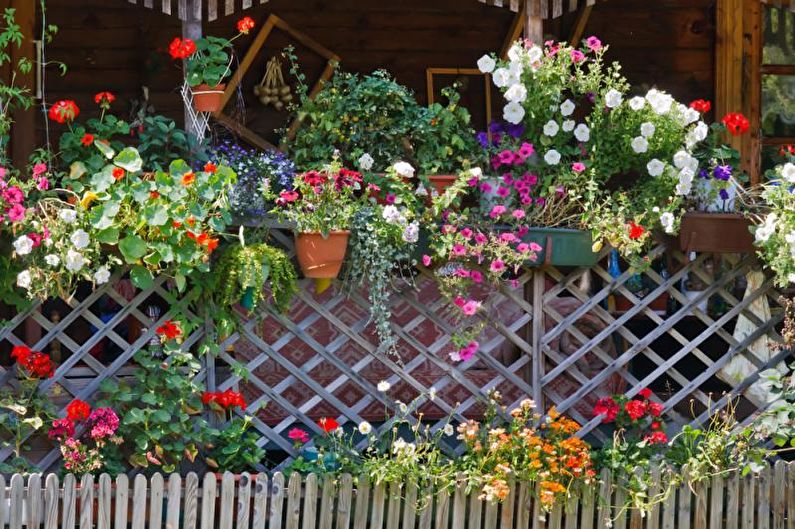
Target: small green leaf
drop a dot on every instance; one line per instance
(105, 149)
(141, 277)
(129, 160)
(108, 235)
(132, 248)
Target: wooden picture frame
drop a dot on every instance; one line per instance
(273, 22)
(431, 72)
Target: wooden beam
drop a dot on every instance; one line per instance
(515, 31)
(729, 60)
(533, 23)
(578, 30)
(24, 129)
(751, 147)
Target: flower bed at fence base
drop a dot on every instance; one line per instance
(353, 502)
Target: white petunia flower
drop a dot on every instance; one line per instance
(515, 52)
(682, 159)
(404, 169)
(80, 239)
(421, 191)
(647, 129)
(411, 233)
(23, 245)
(568, 125)
(68, 215)
(567, 107)
(535, 54)
(637, 103)
(24, 279)
(640, 144)
(788, 172)
(551, 128)
(683, 189)
(486, 64)
(391, 214)
(448, 429)
(74, 261)
(767, 228)
(365, 428)
(667, 221)
(477, 172)
(52, 260)
(613, 98)
(552, 157)
(513, 113)
(686, 176)
(516, 93)
(500, 77)
(582, 132)
(660, 101)
(102, 275)
(366, 162)
(655, 167)
(384, 386)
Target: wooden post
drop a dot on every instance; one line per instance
(192, 29)
(533, 24)
(729, 61)
(24, 130)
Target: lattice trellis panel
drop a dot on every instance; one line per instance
(554, 336)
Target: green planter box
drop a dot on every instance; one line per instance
(562, 247)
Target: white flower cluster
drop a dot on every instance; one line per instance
(393, 215)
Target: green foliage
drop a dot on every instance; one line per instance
(234, 447)
(210, 63)
(23, 412)
(159, 412)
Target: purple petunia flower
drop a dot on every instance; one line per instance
(722, 172)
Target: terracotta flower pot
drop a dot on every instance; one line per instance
(441, 182)
(319, 257)
(715, 232)
(207, 98)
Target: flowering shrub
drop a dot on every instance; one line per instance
(775, 229)
(234, 447)
(207, 60)
(549, 454)
(321, 201)
(585, 140)
(96, 450)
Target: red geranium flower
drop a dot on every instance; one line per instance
(118, 173)
(314, 178)
(655, 409)
(658, 437)
(87, 139)
(328, 424)
(210, 167)
(104, 99)
(181, 48)
(170, 330)
(701, 105)
(636, 231)
(61, 429)
(225, 399)
(21, 353)
(636, 409)
(77, 410)
(285, 197)
(245, 24)
(645, 393)
(63, 111)
(736, 123)
(608, 407)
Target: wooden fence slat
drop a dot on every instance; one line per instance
(35, 506)
(490, 518)
(379, 495)
(191, 502)
(326, 520)
(362, 503)
(122, 502)
(604, 512)
(572, 506)
(685, 502)
(52, 498)
(310, 502)
(3, 499)
(779, 494)
(86, 501)
(209, 494)
(790, 478)
(748, 503)
(587, 507)
(105, 502)
(69, 502)
(345, 502)
(277, 501)
(523, 509)
(226, 509)
(538, 518)
(556, 516)
(260, 517)
(244, 501)
(620, 512)
(700, 517)
(507, 508)
(763, 485)
(294, 501)
(717, 495)
(475, 511)
(732, 501)
(156, 488)
(426, 509)
(393, 507)
(173, 505)
(17, 507)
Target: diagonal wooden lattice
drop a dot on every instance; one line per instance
(553, 336)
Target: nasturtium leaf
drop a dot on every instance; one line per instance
(108, 235)
(141, 277)
(77, 170)
(156, 215)
(132, 248)
(105, 149)
(102, 180)
(129, 160)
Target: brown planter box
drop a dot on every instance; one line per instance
(659, 305)
(716, 232)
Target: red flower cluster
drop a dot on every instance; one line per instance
(77, 410)
(104, 99)
(35, 364)
(181, 48)
(169, 330)
(328, 424)
(786, 150)
(608, 407)
(63, 111)
(87, 139)
(736, 123)
(701, 106)
(636, 231)
(245, 24)
(225, 399)
(202, 239)
(210, 167)
(347, 178)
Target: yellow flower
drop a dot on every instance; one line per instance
(88, 198)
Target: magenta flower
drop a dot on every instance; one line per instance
(508, 237)
(476, 276)
(13, 195)
(518, 214)
(527, 200)
(523, 247)
(497, 210)
(530, 179)
(426, 260)
(470, 307)
(578, 167)
(593, 43)
(485, 187)
(16, 213)
(480, 238)
(577, 56)
(522, 231)
(466, 233)
(469, 351)
(390, 198)
(39, 169)
(459, 301)
(526, 150)
(503, 192)
(462, 273)
(540, 201)
(506, 157)
(298, 435)
(507, 179)
(497, 266)
(36, 238)
(459, 250)
(535, 247)
(43, 184)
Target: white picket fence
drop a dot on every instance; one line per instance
(763, 501)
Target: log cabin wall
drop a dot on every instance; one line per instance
(113, 45)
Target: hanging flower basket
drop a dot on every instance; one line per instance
(441, 182)
(208, 98)
(321, 257)
(562, 247)
(715, 232)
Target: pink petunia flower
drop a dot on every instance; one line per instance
(497, 266)
(466, 233)
(593, 43)
(578, 167)
(480, 238)
(470, 307)
(518, 214)
(476, 276)
(497, 210)
(459, 250)
(426, 260)
(16, 213)
(577, 56)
